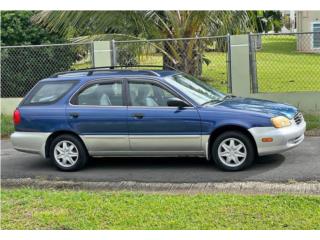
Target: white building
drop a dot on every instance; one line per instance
(308, 21)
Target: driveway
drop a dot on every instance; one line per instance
(301, 164)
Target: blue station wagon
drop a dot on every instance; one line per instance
(108, 113)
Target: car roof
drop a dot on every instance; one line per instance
(91, 74)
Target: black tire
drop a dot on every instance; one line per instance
(237, 137)
(81, 159)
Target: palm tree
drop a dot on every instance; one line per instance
(183, 55)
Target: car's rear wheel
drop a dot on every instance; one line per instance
(68, 153)
(233, 151)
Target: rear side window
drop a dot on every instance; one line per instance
(48, 92)
(100, 94)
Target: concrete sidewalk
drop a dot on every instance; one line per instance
(300, 188)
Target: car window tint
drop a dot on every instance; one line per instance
(148, 94)
(101, 94)
(49, 92)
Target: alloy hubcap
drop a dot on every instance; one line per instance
(232, 152)
(66, 153)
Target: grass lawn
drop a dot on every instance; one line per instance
(313, 121)
(28, 208)
(6, 125)
(280, 68)
(78, 66)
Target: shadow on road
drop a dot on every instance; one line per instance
(266, 163)
(144, 163)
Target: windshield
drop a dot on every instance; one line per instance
(195, 89)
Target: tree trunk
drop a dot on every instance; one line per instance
(191, 64)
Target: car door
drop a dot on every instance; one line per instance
(156, 128)
(98, 113)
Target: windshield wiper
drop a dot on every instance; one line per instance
(228, 97)
(219, 100)
(211, 101)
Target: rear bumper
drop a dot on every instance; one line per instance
(283, 138)
(30, 142)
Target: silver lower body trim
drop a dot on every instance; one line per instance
(205, 145)
(101, 143)
(147, 154)
(30, 142)
(146, 145)
(122, 145)
(165, 142)
(283, 138)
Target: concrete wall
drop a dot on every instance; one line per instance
(308, 102)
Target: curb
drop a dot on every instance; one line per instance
(300, 188)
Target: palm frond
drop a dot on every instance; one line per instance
(150, 24)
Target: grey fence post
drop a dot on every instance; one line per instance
(229, 75)
(114, 52)
(92, 54)
(253, 63)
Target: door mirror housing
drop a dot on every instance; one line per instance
(176, 102)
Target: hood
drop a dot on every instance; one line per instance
(259, 106)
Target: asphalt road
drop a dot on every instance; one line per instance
(301, 164)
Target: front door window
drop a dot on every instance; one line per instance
(148, 95)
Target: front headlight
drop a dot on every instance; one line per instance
(280, 122)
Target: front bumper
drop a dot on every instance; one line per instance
(30, 142)
(283, 138)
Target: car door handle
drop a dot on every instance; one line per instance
(138, 115)
(74, 114)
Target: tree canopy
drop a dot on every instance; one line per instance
(22, 67)
(18, 29)
(265, 21)
(147, 24)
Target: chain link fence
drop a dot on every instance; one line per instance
(285, 62)
(206, 58)
(278, 62)
(23, 66)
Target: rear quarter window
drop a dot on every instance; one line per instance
(48, 92)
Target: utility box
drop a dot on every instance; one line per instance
(240, 65)
(102, 54)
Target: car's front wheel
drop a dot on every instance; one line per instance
(68, 153)
(233, 151)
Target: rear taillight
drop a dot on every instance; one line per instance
(16, 117)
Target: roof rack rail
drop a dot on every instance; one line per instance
(90, 71)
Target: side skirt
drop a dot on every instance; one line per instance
(147, 145)
(147, 154)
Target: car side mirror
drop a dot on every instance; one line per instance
(176, 102)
